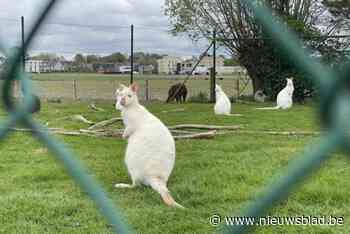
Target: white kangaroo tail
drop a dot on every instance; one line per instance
(269, 108)
(170, 201)
(160, 186)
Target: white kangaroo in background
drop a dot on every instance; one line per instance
(222, 104)
(150, 153)
(284, 97)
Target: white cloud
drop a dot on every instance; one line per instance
(150, 27)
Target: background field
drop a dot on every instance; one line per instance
(217, 176)
(87, 86)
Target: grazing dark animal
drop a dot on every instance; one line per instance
(178, 92)
(33, 109)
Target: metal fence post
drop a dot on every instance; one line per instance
(132, 55)
(23, 50)
(213, 71)
(148, 91)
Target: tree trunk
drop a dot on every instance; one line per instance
(258, 84)
(254, 74)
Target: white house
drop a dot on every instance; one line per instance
(58, 66)
(169, 65)
(37, 66)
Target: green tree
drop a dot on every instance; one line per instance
(114, 58)
(236, 25)
(79, 59)
(92, 58)
(147, 59)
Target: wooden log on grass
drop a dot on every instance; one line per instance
(175, 110)
(271, 132)
(105, 123)
(205, 127)
(95, 108)
(201, 135)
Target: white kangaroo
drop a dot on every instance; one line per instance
(284, 97)
(222, 104)
(150, 153)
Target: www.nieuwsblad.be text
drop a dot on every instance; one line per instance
(216, 220)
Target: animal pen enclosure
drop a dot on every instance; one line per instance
(334, 112)
(150, 89)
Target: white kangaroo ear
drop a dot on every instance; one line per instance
(134, 87)
(121, 86)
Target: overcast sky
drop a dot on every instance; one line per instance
(58, 35)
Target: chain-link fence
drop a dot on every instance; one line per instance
(155, 89)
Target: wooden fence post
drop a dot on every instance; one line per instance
(75, 94)
(237, 87)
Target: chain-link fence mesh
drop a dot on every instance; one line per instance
(153, 89)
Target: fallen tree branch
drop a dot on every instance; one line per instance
(175, 110)
(105, 133)
(105, 123)
(202, 135)
(30, 130)
(95, 108)
(182, 134)
(173, 131)
(205, 127)
(82, 119)
(270, 132)
(76, 118)
(51, 130)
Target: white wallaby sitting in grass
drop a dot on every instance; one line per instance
(223, 104)
(284, 97)
(150, 153)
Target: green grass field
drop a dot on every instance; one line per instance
(216, 176)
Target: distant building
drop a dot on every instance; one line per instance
(176, 65)
(105, 67)
(37, 66)
(145, 69)
(58, 66)
(203, 67)
(187, 66)
(124, 69)
(40, 66)
(207, 61)
(169, 65)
